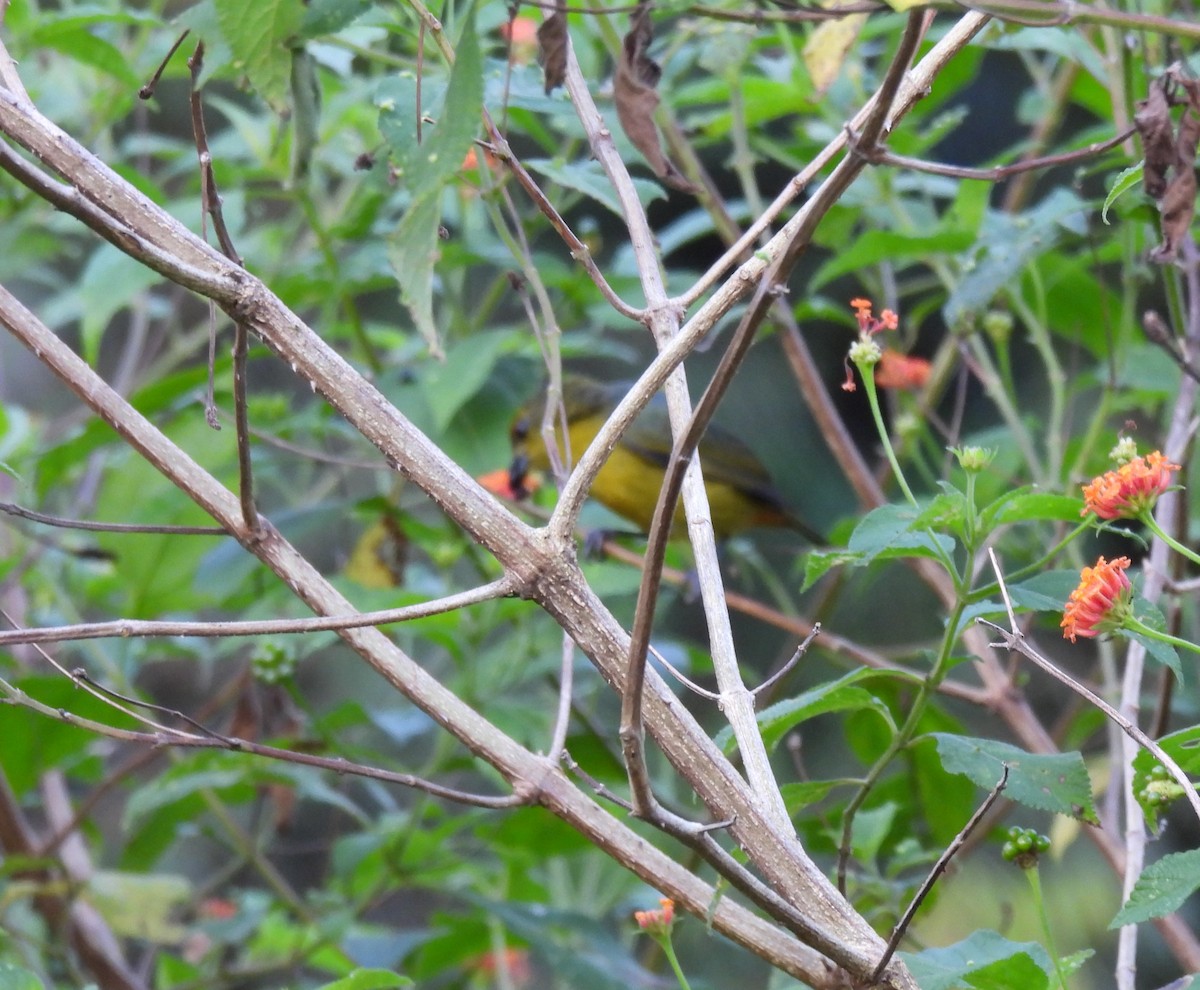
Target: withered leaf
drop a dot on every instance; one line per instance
(552, 48)
(1153, 121)
(636, 97)
(1170, 167)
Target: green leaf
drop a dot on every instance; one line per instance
(796, 797)
(1156, 649)
(1046, 592)
(1055, 782)
(875, 246)
(369, 979)
(1161, 889)
(818, 563)
(183, 782)
(412, 251)
(34, 742)
(110, 282)
(1028, 505)
(588, 177)
(261, 36)
(870, 830)
(330, 16)
(89, 49)
(13, 977)
(424, 167)
(836, 696)
(1009, 244)
(141, 906)
(984, 960)
(888, 532)
(467, 366)
(1125, 181)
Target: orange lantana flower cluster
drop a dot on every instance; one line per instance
(1101, 602)
(657, 922)
(901, 371)
(1128, 491)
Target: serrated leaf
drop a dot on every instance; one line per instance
(1055, 782)
(1183, 747)
(425, 167)
(1161, 889)
(413, 251)
(985, 959)
(260, 35)
(1125, 181)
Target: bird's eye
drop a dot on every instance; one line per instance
(520, 430)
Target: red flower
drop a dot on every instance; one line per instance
(1101, 602)
(899, 371)
(1131, 489)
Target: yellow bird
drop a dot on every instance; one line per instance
(740, 492)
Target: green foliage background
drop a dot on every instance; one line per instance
(220, 870)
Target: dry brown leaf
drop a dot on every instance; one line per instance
(1153, 122)
(636, 97)
(552, 48)
(1169, 174)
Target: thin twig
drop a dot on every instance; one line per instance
(938, 869)
(211, 206)
(13, 509)
(167, 736)
(881, 156)
(131, 628)
(147, 90)
(776, 677)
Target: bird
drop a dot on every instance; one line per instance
(741, 494)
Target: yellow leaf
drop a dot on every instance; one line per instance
(826, 48)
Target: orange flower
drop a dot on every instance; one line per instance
(1101, 602)
(521, 34)
(657, 922)
(900, 371)
(867, 324)
(1130, 490)
(500, 482)
(512, 960)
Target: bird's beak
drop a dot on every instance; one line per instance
(518, 473)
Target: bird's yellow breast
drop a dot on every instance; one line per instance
(629, 484)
